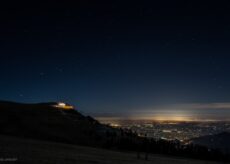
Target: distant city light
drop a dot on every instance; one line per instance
(167, 131)
(114, 125)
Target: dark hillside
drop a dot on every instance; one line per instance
(46, 122)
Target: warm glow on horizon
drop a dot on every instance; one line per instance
(148, 118)
(196, 112)
(176, 118)
(159, 118)
(173, 118)
(166, 115)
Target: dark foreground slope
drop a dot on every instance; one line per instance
(46, 122)
(52, 122)
(29, 151)
(219, 141)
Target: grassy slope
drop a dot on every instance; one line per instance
(41, 152)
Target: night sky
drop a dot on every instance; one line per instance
(119, 59)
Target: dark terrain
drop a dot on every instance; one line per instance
(28, 151)
(219, 141)
(45, 122)
(44, 133)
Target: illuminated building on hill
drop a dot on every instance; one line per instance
(63, 106)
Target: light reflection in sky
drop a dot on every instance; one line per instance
(181, 112)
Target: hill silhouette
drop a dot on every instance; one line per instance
(46, 122)
(62, 123)
(219, 141)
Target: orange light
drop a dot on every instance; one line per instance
(64, 106)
